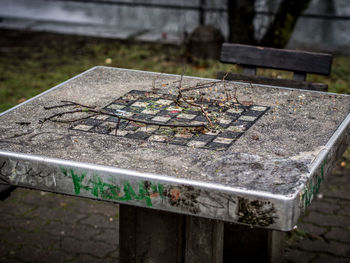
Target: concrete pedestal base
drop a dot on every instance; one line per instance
(155, 236)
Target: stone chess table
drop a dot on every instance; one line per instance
(126, 136)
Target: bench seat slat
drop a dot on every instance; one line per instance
(292, 60)
(296, 84)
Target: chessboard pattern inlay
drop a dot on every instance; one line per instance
(231, 121)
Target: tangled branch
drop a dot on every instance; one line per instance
(95, 112)
(205, 85)
(180, 96)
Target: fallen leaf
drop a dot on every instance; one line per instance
(175, 194)
(21, 100)
(255, 137)
(246, 103)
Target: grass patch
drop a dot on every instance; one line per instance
(32, 62)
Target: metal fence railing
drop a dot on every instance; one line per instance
(202, 8)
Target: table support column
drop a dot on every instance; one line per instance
(204, 240)
(148, 235)
(244, 244)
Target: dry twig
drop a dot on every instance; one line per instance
(104, 112)
(180, 96)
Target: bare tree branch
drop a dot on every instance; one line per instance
(103, 112)
(180, 96)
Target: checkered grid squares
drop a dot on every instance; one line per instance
(161, 108)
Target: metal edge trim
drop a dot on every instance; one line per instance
(135, 174)
(47, 91)
(284, 202)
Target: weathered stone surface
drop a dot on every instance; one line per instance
(19, 222)
(328, 259)
(109, 236)
(345, 207)
(298, 256)
(272, 158)
(313, 230)
(97, 249)
(6, 249)
(23, 210)
(331, 247)
(96, 220)
(30, 253)
(323, 205)
(42, 241)
(104, 208)
(73, 229)
(58, 256)
(88, 258)
(327, 220)
(339, 234)
(283, 148)
(58, 214)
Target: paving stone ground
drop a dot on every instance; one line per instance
(45, 227)
(323, 233)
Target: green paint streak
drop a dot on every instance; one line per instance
(129, 193)
(144, 194)
(154, 188)
(102, 189)
(77, 180)
(161, 190)
(109, 191)
(97, 185)
(313, 187)
(322, 169)
(64, 171)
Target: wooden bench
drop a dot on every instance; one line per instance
(300, 62)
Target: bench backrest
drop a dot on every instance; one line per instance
(300, 62)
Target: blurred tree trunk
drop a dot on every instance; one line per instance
(328, 7)
(240, 20)
(281, 28)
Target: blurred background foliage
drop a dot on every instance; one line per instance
(31, 62)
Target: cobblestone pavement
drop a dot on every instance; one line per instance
(44, 227)
(323, 233)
